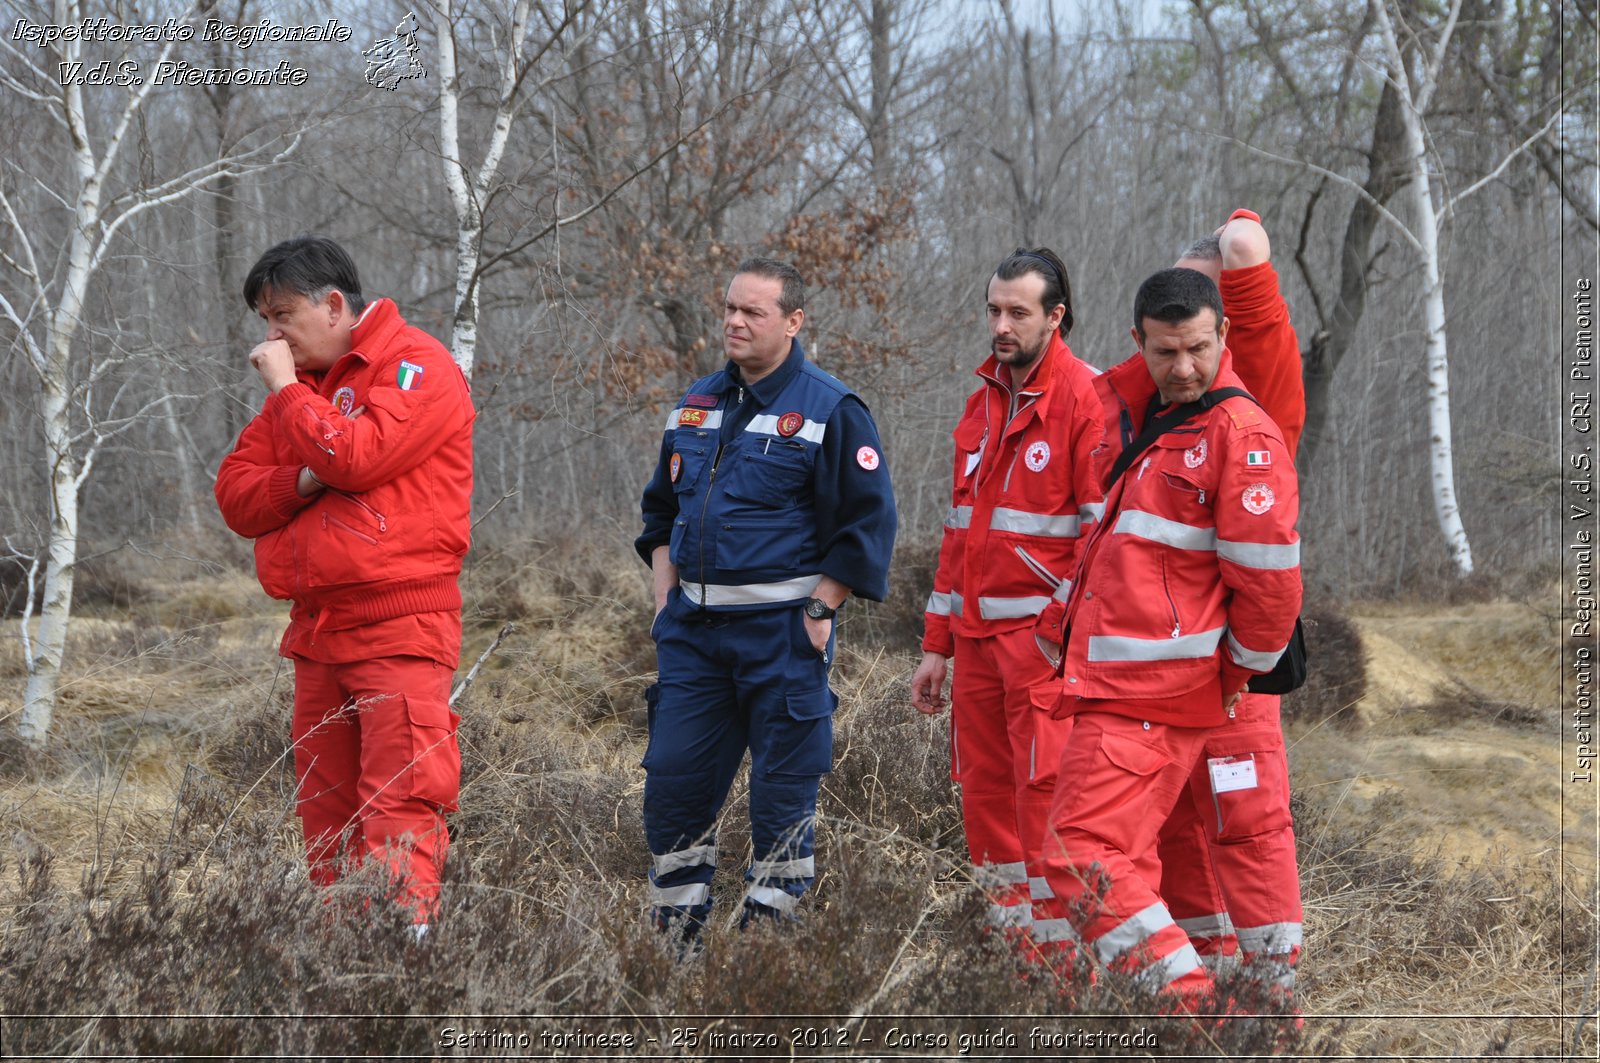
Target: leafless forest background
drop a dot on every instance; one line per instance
(564, 213)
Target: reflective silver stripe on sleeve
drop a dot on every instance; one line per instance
(772, 897)
(1255, 660)
(1169, 969)
(1009, 915)
(686, 896)
(1207, 926)
(713, 418)
(1039, 888)
(955, 603)
(715, 594)
(1045, 525)
(958, 517)
(1259, 555)
(766, 424)
(1127, 935)
(1272, 939)
(1091, 511)
(1054, 930)
(799, 867)
(695, 856)
(1126, 648)
(1167, 532)
(1011, 608)
(938, 604)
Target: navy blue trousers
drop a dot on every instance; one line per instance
(731, 681)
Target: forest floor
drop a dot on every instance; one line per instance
(151, 889)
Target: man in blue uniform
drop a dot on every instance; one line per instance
(769, 506)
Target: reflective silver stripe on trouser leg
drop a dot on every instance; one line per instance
(1214, 927)
(999, 876)
(1274, 944)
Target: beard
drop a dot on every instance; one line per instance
(1021, 355)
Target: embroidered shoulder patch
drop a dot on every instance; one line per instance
(1258, 498)
(692, 417)
(408, 376)
(1257, 459)
(344, 400)
(708, 401)
(867, 458)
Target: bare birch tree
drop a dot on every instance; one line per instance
(50, 263)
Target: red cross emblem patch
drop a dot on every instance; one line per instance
(1258, 498)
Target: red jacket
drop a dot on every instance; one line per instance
(1024, 498)
(387, 536)
(1191, 584)
(1266, 352)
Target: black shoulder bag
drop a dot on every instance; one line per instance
(1291, 670)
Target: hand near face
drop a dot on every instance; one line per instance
(275, 362)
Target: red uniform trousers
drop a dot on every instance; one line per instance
(1229, 871)
(1005, 749)
(377, 765)
(1118, 779)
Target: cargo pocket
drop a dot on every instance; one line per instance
(435, 753)
(1134, 798)
(802, 733)
(1249, 791)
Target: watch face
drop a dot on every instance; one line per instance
(817, 609)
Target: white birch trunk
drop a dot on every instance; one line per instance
(1440, 452)
(468, 197)
(66, 478)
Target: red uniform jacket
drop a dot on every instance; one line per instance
(386, 539)
(1024, 498)
(1191, 584)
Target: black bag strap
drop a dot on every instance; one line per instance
(1167, 421)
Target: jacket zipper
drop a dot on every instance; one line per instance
(1166, 588)
(705, 503)
(383, 525)
(347, 529)
(1037, 568)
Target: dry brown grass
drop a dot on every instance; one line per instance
(153, 865)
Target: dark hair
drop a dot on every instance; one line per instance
(1047, 264)
(311, 266)
(1206, 249)
(793, 296)
(1173, 296)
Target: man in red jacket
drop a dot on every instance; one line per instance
(355, 482)
(1228, 867)
(1189, 586)
(1024, 498)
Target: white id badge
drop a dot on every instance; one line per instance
(1232, 773)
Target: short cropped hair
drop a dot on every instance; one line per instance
(1206, 249)
(1173, 296)
(1047, 264)
(311, 266)
(793, 296)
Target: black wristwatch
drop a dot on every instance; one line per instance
(817, 609)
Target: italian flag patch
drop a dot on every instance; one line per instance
(408, 376)
(1254, 459)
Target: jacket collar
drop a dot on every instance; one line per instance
(770, 386)
(1038, 379)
